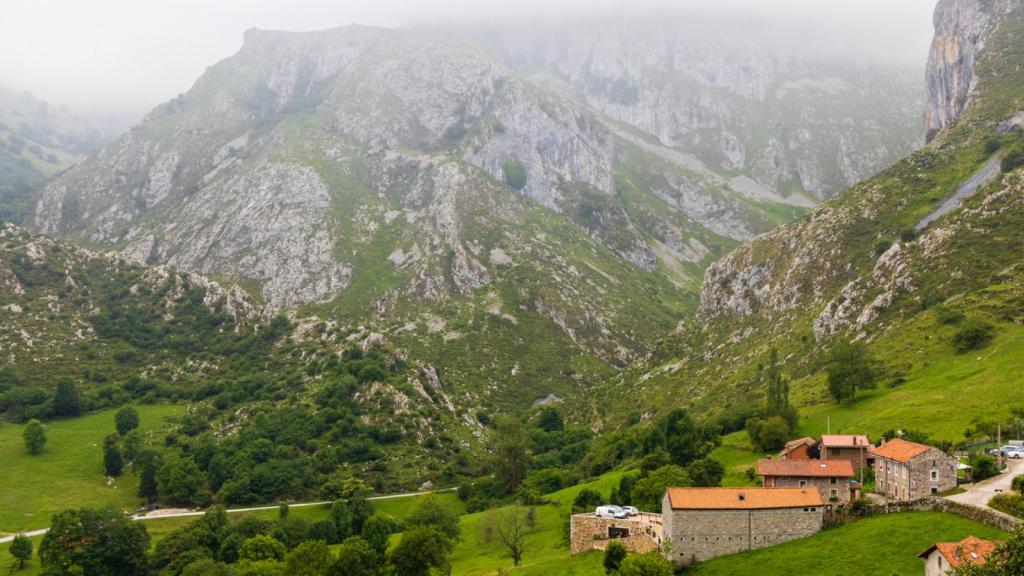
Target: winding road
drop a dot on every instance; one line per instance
(980, 493)
(156, 515)
(989, 172)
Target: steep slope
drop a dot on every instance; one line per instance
(37, 141)
(412, 184)
(125, 333)
(854, 268)
(739, 98)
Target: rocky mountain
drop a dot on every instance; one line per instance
(37, 141)
(522, 238)
(795, 121)
(895, 260)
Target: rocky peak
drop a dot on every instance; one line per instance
(961, 30)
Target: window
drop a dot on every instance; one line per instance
(833, 493)
(935, 490)
(803, 483)
(935, 475)
(833, 480)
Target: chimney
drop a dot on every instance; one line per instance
(881, 441)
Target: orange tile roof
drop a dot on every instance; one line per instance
(900, 450)
(806, 468)
(970, 549)
(794, 444)
(845, 441)
(742, 498)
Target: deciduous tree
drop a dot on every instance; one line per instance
(21, 549)
(34, 436)
(126, 420)
(94, 542)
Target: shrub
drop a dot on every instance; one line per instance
(973, 334)
(881, 246)
(587, 499)
(614, 554)
(907, 235)
(983, 467)
(948, 316)
(992, 145)
(34, 436)
(1013, 160)
(515, 173)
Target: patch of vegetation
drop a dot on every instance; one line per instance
(515, 173)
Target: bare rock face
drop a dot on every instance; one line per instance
(961, 30)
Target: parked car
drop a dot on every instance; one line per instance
(1016, 453)
(610, 512)
(630, 510)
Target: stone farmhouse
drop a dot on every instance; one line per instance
(802, 449)
(942, 557)
(703, 523)
(640, 533)
(907, 470)
(831, 478)
(853, 447)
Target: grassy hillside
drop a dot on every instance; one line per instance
(69, 471)
(879, 546)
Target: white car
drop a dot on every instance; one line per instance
(1016, 453)
(609, 512)
(630, 510)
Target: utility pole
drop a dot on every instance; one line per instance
(999, 446)
(828, 425)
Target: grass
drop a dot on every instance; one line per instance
(69, 472)
(878, 546)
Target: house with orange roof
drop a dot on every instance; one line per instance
(703, 523)
(853, 447)
(942, 557)
(907, 470)
(800, 449)
(833, 479)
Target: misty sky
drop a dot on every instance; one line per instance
(122, 57)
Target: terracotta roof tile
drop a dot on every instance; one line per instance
(970, 549)
(806, 468)
(742, 498)
(845, 441)
(900, 450)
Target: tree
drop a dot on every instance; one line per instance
(681, 438)
(587, 499)
(650, 564)
(21, 549)
(309, 559)
(509, 527)
(706, 472)
(515, 173)
(356, 558)
(973, 334)
(850, 368)
(261, 547)
(126, 420)
(777, 392)
(361, 509)
(325, 530)
(1014, 159)
(510, 443)
(436, 513)
(622, 495)
(66, 400)
(1018, 484)
(550, 420)
(648, 492)
(420, 549)
(770, 434)
(377, 531)
(94, 542)
(113, 461)
(34, 436)
(179, 479)
(148, 463)
(614, 554)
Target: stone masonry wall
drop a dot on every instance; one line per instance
(698, 535)
(588, 532)
(823, 485)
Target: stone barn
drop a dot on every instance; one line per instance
(702, 523)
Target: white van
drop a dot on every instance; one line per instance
(609, 512)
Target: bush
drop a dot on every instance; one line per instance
(1018, 484)
(973, 334)
(881, 246)
(1013, 160)
(992, 145)
(948, 316)
(515, 173)
(907, 235)
(587, 499)
(983, 467)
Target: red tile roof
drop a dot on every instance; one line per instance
(845, 441)
(970, 549)
(900, 450)
(794, 444)
(806, 468)
(742, 498)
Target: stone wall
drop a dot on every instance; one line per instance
(698, 535)
(935, 504)
(588, 532)
(823, 485)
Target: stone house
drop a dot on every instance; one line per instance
(702, 523)
(853, 447)
(942, 557)
(802, 449)
(833, 479)
(907, 470)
